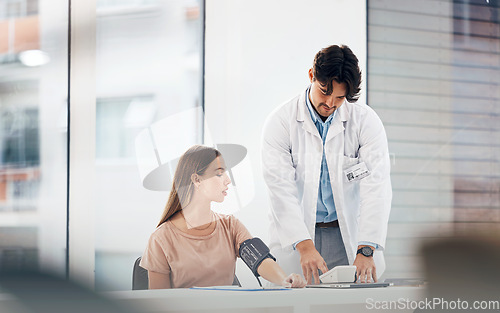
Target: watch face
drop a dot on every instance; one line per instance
(367, 251)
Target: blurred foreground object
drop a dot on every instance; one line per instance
(31, 291)
(465, 268)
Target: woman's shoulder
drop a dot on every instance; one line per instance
(163, 231)
(230, 222)
(226, 218)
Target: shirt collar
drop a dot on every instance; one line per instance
(314, 115)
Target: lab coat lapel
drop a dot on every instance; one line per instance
(304, 116)
(312, 151)
(337, 126)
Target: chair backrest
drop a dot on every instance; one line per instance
(236, 282)
(140, 279)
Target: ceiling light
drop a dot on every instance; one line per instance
(34, 58)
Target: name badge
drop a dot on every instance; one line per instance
(356, 172)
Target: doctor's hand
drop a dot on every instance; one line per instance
(294, 281)
(311, 261)
(365, 269)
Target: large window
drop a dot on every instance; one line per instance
(33, 134)
(434, 79)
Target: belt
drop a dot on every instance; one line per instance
(329, 224)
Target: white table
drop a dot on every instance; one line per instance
(308, 300)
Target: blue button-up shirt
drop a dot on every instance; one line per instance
(326, 211)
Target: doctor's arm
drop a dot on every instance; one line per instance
(365, 268)
(375, 193)
(279, 175)
(311, 261)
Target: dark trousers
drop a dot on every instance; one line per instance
(328, 242)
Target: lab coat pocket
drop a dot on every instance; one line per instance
(348, 162)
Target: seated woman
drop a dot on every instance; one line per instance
(192, 245)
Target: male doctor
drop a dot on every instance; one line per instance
(326, 164)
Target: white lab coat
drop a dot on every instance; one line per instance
(291, 156)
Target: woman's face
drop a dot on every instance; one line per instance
(214, 182)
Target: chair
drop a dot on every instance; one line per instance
(236, 282)
(140, 279)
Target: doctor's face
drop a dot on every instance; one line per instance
(326, 103)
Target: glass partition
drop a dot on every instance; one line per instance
(33, 134)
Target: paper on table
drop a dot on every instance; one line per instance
(236, 288)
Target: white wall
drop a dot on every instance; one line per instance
(257, 56)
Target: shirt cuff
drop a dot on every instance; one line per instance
(297, 242)
(366, 243)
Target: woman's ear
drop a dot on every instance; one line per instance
(195, 179)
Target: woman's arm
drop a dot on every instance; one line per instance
(159, 280)
(271, 271)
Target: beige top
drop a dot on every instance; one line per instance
(196, 260)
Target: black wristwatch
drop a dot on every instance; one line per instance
(366, 251)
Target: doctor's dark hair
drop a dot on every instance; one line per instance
(194, 161)
(339, 64)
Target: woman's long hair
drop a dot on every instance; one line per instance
(194, 161)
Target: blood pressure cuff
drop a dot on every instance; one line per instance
(253, 252)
